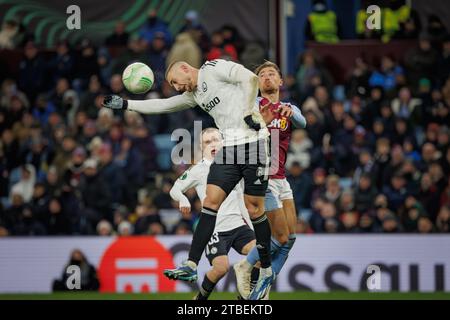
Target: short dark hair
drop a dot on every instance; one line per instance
(268, 64)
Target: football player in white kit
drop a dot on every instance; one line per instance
(227, 91)
(232, 226)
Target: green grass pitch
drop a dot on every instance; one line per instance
(299, 295)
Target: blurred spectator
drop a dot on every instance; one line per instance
(89, 280)
(318, 187)
(104, 61)
(429, 195)
(154, 25)
(40, 156)
(87, 101)
(254, 54)
(43, 109)
(411, 27)
(158, 53)
(10, 92)
(25, 186)
(301, 184)
(365, 193)
(436, 30)
(333, 190)
(163, 199)
(86, 64)
(95, 193)
(322, 24)
(135, 53)
(388, 75)
(185, 49)
(10, 148)
(232, 36)
(390, 224)
(421, 62)
(220, 50)
(146, 215)
(62, 65)
(299, 149)
(12, 34)
(65, 100)
(58, 222)
(182, 229)
(424, 225)
(104, 228)
(407, 107)
(358, 83)
(310, 74)
(395, 13)
(119, 37)
(444, 63)
(32, 72)
(196, 29)
(155, 228)
(396, 191)
(125, 228)
(443, 219)
(350, 222)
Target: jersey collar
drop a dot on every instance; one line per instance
(208, 162)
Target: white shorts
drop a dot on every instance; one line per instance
(277, 191)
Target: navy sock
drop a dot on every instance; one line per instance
(202, 234)
(263, 235)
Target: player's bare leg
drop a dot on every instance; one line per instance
(279, 224)
(291, 215)
(283, 222)
(249, 246)
(205, 228)
(220, 267)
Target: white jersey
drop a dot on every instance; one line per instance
(232, 213)
(224, 100)
(225, 90)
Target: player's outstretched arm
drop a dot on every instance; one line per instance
(189, 179)
(151, 106)
(298, 120)
(176, 193)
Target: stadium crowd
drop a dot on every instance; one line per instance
(374, 157)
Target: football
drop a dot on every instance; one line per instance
(138, 78)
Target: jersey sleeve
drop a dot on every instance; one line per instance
(298, 120)
(233, 72)
(189, 179)
(157, 106)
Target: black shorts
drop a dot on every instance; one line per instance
(250, 161)
(221, 242)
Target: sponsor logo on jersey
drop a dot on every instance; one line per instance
(135, 264)
(280, 123)
(184, 176)
(204, 87)
(207, 107)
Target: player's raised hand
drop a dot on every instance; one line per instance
(266, 112)
(185, 210)
(285, 110)
(114, 102)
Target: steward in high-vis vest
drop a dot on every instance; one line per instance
(322, 25)
(392, 18)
